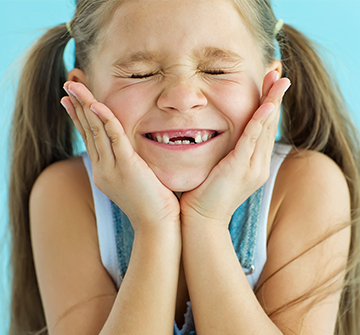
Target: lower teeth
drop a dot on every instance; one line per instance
(180, 142)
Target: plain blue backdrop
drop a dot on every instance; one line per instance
(334, 24)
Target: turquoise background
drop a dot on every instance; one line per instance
(335, 24)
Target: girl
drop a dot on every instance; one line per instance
(166, 223)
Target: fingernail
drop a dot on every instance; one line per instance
(70, 91)
(93, 110)
(277, 77)
(65, 89)
(64, 105)
(287, 87)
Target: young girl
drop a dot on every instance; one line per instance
(183, 217)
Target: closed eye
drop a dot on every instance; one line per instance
(143, 76)
(214, 72)
(147, 75)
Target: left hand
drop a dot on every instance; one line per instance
(244, 169)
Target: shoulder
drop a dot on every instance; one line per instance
(63, 181)
(311, 184)
(310, 207)
(312, 167)
(308, 243)
(312, 179)
(61, 195)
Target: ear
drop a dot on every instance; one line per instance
(78, 76)
(275, 65)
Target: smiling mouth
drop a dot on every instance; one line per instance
(182, 137)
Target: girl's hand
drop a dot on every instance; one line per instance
(243, 170)
(118, 171)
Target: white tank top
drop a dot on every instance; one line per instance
(106, 235)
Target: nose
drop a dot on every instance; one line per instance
(181, 96)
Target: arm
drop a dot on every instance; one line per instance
(78, 294)
(314, 195)
(307, 209)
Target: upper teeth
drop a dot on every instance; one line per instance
(165, 139)
(198, 138)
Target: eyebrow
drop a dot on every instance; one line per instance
(135, 58)
(217, 54)
(205, 54)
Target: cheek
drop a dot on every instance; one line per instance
(128, 104)
(237, 102)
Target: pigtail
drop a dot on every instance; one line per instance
(41, 134)
(315, 118)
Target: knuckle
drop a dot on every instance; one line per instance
(95, 130)
(253, 140)
(252, 136)
(88, 133)
(114, 139)
(270, 131)
(112, 132)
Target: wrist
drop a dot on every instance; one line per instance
(197, 221)
(158, 231)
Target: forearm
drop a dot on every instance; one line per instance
(222, 299)
(146, 300)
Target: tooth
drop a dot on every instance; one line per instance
(178, 142)
(159, 138)
(172, 143)
(165, 139)
(205, 137)
(198, 138)
(185, 142)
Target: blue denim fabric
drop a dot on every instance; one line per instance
(243, 229)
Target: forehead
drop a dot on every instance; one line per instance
(177, 27)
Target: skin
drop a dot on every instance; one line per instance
(172, 237)
(182, 94)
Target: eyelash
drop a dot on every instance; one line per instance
(147, 75)
(214, 72)
(143, 76)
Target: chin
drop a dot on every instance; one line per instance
(181, 183)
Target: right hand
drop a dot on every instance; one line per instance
(118, 171)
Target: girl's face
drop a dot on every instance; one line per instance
(176, 72)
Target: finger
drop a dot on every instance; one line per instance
(99, 136)
(269, 81)
(265, 143)
(101, 139)
(245, 147)
(75, 91)
(120, 144)
(274, 96)
(276, 92)
(69, 107)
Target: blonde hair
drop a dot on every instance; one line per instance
(314, 118)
